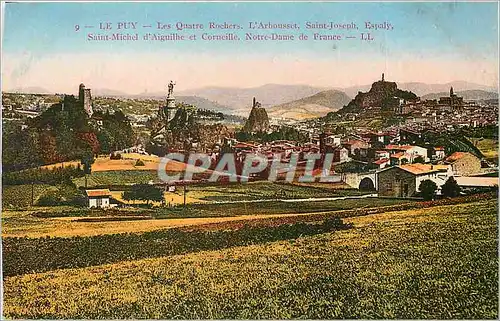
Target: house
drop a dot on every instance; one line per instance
(399, 158)
(411, 136)
(332, 140)
(382, 163)
(356, 147)
(438, 153)
(405, 180)
(463, 163)
(380, 137)
(340, 154)
(379, 154)
(412, 151)
(98, 198)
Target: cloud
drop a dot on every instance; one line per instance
(137, 72)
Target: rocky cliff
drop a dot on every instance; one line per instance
(258, 121)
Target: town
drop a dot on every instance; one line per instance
(425, 139)
(136, 173)
(346, 168)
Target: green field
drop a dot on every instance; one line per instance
(264, 190)
(273, 207)
(488, 147)
(439, 262)
(117, 178)
(20, 195)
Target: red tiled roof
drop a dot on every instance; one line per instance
(399, 147)
(98, 192)
(381, 161)
(419, 169)
(456, 156)
(398, 155)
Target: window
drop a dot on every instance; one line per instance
(99, 202)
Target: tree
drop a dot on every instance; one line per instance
(450, 188)
(144, 192)
(427, 189)
(87, 161)
(419, 159)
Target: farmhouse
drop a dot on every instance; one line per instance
(404, 180)
(463, 163)
(98, 198)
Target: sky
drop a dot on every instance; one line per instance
(429, 42)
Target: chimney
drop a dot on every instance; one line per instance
(253, 104)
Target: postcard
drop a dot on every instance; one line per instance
(250, 160)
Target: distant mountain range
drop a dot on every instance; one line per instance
(30, 90)
(241, 98)
(317, 105)
(466, 94)
(422, 89)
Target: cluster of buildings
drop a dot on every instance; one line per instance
(448, 112)
(22, 106)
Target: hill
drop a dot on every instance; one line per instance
(203, 103)
(29, 90)
(467, 94)
(383, 95)
(313, 106)
(240, 99)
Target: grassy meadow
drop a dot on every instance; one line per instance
(439, 262)
(488, 147)
(20, 195)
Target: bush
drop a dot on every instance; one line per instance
(427, 189)
(66, 194)
(115, 156)
(450, 188)
(49, 199)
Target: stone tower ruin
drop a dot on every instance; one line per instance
(85, 99)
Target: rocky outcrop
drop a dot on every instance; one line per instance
(382, 95)
(258, 121)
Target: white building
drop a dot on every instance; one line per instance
(412, 151)
(98, 198)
